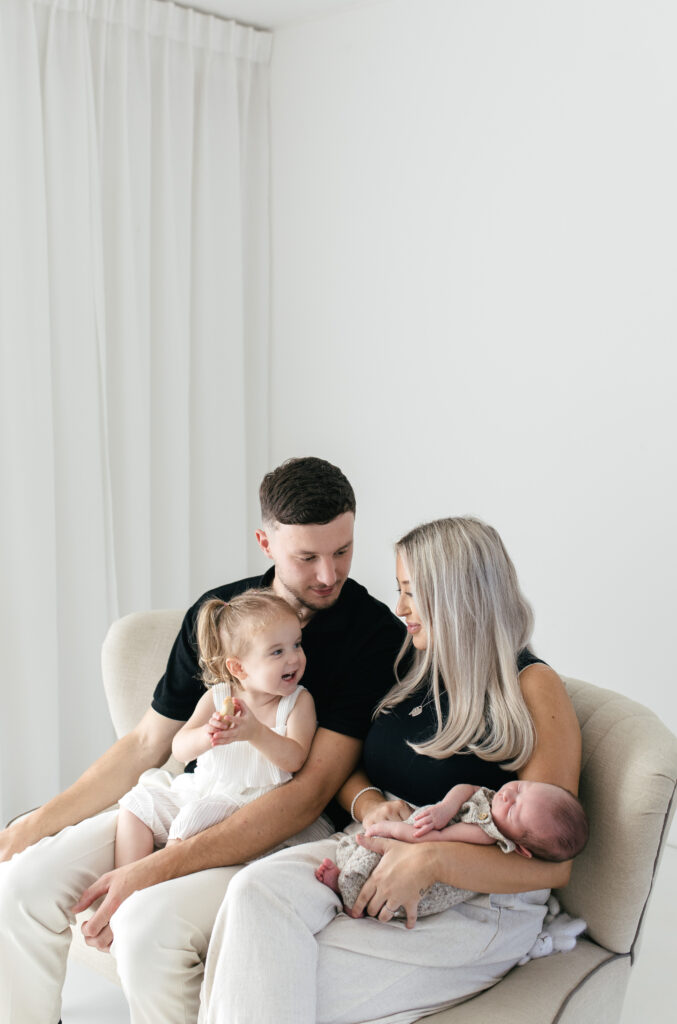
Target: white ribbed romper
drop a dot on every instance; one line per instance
(225, 778)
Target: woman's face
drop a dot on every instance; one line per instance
(406, 607)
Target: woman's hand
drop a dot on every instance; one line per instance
(387, 810)
(398, 880)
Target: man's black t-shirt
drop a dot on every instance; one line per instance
(350, 650)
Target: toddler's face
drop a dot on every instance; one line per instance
(274, 660)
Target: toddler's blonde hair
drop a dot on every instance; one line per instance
(225, 629)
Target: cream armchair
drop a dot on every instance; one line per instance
(627, 787)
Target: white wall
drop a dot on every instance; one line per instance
(474, 267)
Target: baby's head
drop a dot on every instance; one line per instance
(542, 820)
(229, 632)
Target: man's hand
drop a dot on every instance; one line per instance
(15, 838)
(115, 886)
(103, 941)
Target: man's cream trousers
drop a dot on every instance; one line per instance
(160, 934)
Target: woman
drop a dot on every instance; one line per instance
(473, 704)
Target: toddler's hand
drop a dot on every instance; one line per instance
(218, 729)
(243, 725)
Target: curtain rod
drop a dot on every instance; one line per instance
(191, 6)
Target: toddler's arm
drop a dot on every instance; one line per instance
(194, 738)
(288, 752)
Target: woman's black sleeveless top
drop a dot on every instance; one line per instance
(395, 768)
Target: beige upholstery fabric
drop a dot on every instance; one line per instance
(133, 659)
(627, 787)
(627, 784)
(537, 992)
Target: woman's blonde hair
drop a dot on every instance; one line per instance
(225, 629)
(477, 620)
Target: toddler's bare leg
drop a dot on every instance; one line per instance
(328, 874)
(133, 839)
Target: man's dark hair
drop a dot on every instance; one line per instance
(305, 491)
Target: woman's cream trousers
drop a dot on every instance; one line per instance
(282, 952)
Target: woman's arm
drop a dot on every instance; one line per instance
(407, 870)
(556, 759)
(557, 755)
(370, 805)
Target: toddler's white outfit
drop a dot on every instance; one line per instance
(225, 778)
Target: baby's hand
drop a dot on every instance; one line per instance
(392, 830)
(433, 817)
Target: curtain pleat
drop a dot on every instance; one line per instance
(133, 272)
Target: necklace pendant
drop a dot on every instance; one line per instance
(415, 712)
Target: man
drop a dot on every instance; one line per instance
(161, 931)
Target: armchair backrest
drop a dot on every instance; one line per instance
(133, 658)
(628, 778)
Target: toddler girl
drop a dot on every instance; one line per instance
(252, 643)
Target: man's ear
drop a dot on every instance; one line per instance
(236, 668)
(522, 850)
(264, 543)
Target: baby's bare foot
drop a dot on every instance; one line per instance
(328, 874)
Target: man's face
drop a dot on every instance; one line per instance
(311, 562)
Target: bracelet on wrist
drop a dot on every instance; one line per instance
(357, 797)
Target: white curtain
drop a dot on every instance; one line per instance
(133, 333)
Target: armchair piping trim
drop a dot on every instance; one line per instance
(661, 846)
(565, 1002)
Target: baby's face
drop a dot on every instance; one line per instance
(522, 807)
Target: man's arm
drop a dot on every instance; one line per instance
(115, 772)
(253, 830)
